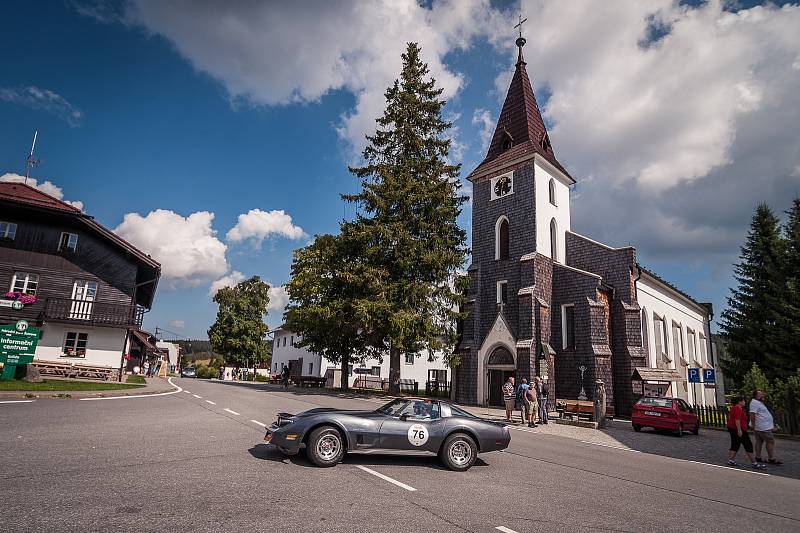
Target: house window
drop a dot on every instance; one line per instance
(645, 339)
(376, 371)
(8, 231)
(291, 342)
(690, 347)
(276, 367)
(660, 337)
(310, 368)
(568, 326)
(553, 240)
(410, 358)
(703, 354)
(501, 238)
(349, 370)
(75, 344)
(25, 282)
(553, 191)
(68, 242)
(677, 343)
(502, 292)
(284, 342)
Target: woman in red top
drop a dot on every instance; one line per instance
(737, 427)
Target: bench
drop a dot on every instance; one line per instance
(310, 381)
(76, 371)
(576, 408)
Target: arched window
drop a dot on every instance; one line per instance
(553, 191)
(501, 238)
(501, 356)
(553, 240)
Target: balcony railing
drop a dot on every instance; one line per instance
(93, 313)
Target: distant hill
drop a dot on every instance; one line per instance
(200, 350)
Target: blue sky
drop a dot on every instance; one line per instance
(150, 108)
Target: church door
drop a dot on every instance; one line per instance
(496, 380)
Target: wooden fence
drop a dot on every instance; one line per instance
(787, 420)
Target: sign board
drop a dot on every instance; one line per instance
(17, 346)
(694, 375)
(709, 376)
(14, 304)
(656, 390)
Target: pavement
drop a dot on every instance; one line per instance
(194, 460)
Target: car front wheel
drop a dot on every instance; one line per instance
(325, 447)
(459, 452)
(637, 427)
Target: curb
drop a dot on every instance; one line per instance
(82, 394)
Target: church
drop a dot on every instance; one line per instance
(544, 300)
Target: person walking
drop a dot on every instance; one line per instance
(543, 391)
(146, 367)
(508, 397)
(285, 376)
(763, 425)
(531, 397)
(523, 404)
(737, 428)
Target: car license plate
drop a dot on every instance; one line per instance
(652, 413)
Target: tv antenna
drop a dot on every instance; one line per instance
(30, 162)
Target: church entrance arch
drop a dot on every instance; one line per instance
(500, 365)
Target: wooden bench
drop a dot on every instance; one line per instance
(310, 381)
(76, 371)
(577, 408)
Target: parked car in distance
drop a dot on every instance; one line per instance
(188, 372)
(665, 413)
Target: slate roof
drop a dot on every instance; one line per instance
(521, 122)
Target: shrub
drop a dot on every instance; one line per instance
(261, 378)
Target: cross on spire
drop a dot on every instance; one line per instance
(520, 40)
(519, 24)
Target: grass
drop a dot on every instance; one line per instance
(64, 385)
(139, 380)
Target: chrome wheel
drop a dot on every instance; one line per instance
(328, 446)
(460, 453)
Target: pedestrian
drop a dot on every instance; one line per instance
(221, 372)
(763, 425)
(146, 368)
(737, 428)
(508, 397)
(521, 398)
(543, 391)
(285, 376)
(533, 405)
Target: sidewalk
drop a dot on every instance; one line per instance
(153, 386)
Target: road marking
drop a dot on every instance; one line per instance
(231, 412)
(504, 529)
(386, 478)
(198, 397)
(212, 403)
(169, 380)
(17, 401)
(262, 424)
(187, 392)
(610, 446)
(744, 469)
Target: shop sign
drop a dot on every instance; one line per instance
(656, 390)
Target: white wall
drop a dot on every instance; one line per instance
(654, 297)
(282, 354)
(103, 348)
(545, 211)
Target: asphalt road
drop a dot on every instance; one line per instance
(195, 461)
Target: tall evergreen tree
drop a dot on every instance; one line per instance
(407, 224)
(750, 321)
(788, 330)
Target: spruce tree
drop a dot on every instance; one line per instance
(750, 322)
(407, 224)
(788, 330)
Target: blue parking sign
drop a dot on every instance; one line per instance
(709, 376)
(694, 375)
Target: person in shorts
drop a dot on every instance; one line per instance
(509, 398)
(523, 404)
(533, 405)
(763, 425)
(737, 428)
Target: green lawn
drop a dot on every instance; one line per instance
(136, 379)
(63, 385)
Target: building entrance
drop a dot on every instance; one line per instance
(496, 380)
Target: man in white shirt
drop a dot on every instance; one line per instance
(762, 422)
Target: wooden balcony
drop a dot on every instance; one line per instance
(92, 313)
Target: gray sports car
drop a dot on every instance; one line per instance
(402, 424)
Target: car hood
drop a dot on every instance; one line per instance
(331, 410)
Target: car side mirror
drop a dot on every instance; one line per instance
(404, 417)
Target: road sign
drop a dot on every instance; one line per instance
(709, 376)
(17, 346)
(694, 375)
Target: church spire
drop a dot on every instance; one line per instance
(520, 41)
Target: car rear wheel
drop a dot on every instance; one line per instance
(696, 430)
(325, 447)
(680, 429)
(459, 452)
(637, 427)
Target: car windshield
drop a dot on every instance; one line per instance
(416, 409)
(394, 408)
(656, 402)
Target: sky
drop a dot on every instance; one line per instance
(216, 136)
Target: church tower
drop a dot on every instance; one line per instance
(520, 214)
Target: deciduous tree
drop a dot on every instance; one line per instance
(239, 333)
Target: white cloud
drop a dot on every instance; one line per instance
(43, 99)
(177, 324)
(47, 187)
(278, 299)
(257, 225)
(483, 118)
(187, 247)
(228, 280)
(355, 46)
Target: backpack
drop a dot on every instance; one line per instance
(521, 393)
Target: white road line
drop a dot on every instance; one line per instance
(231, 412)
(17, 401)
(610, 446)
(386, 478)
(743, 469)
(262, 424)
(187, 392)
(177, 389)
(504, 529)
(212, 403)
(198, 397)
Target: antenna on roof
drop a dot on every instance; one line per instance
(30, 162)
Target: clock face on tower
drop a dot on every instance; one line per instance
(502, 186)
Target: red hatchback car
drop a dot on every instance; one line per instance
(665, 413)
